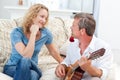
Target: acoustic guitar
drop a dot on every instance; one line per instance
(74, 72)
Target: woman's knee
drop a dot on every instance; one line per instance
(34, 75)
(24, 62)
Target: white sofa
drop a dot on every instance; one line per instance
(60, 29)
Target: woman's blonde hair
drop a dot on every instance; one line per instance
(30, 15)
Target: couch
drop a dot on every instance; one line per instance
(60, 29)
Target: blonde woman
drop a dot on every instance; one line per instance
(27, 42)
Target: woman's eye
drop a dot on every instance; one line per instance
(41, 16)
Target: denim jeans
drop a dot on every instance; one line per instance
(26, 69)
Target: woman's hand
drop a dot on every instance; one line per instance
(34, 29)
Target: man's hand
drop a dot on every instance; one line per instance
(84, 63)
(60, 71)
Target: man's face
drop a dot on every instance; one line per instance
(75, 28)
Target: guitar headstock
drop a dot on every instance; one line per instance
(97, 54)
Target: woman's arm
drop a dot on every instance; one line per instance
(54, 52)
(27, 51)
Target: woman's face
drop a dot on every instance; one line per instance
(41, 18)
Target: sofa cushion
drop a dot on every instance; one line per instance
(5, 46)
(68, 24)
(5, 29)
(3, 59)
(18, 21)
(5, 77)
(63, 49)
(49, 75)
(48, 65)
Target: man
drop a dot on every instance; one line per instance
(84, 45)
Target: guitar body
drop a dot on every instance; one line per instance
(74, 75)
(74, 72)
(69, 73)
(78, 74)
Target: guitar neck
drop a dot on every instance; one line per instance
(93, 55)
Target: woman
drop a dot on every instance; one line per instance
(26, 43)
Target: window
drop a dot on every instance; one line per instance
(76, 5)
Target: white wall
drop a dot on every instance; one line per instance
(109, 22)
(85, 5)
(4, 13)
